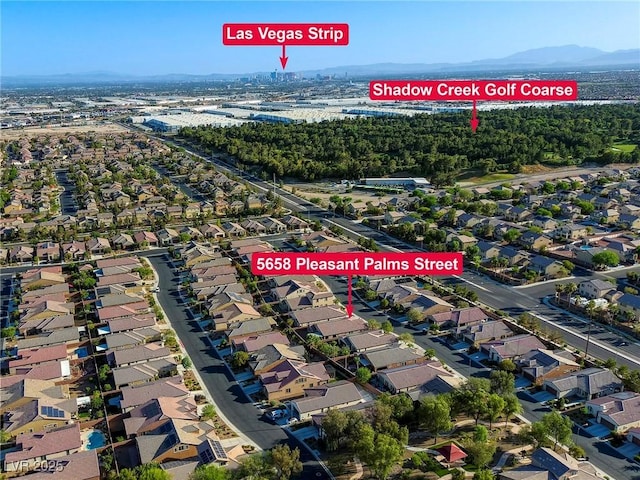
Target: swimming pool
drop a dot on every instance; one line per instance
(95, 439)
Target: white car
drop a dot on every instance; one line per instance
(155, 289)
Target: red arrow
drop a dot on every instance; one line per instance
(284, 58)
(349, 301)
(474, 120)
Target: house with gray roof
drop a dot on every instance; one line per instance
(618, 412)
(586, 384)
(321, 399)
(486, 332)
(595, 288)
(391, 358)
(549, 465)
(541, 364)
(370, 340)
(427, 377)
(511, 348)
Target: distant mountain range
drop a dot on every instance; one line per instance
(548, 58)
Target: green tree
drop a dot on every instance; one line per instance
(186, 362)
(103, 372)
(495, 407)
(481, 434)
(4, 436)
(502, 382)
(606, 258)
(97, 403)
(255, 467)
(507, 365)
(208, 412)
(334, 424)
(9, 333)
(558, 427)
(472, 398)
(239, 359)
(434, 415)
(401, 404)
(387, 326)
(380, 452)
(285, 461)
(414, 315)
(483, 475)
(210, 472)
(373, 324)
(512, 406)
(363, 375)
(480, 453)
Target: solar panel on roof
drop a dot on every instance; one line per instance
(218, 450)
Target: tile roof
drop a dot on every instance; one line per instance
(389, 356)
(328, 396)
(164, 387)
(41, 444)
(414, 376)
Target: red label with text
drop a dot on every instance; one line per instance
(289, 34)
(468, 90)
(409, 263)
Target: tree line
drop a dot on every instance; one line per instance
(438, 147)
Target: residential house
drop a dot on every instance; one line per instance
(171, 387)
(73, 251)
(485, 332)
(335, 329)
(290, 378)
(32, 357)
(595, 288)
(514, 256)
(253, 343)
(273, 226)
(571, 231)
(167, 236)
(487, 250)
(511, 348)
(458, 319)
(629, 221)
(546, 267)
(21, 254)
(549, 465)
(542, 364)
(146, 238)
(98, 246)
(534, 241)
(630, 303)
(258, 326)
(586, 384)
(309, 316)
(270, 356)
(33, 448)
(232, 315)
(140, 354)
(123, 241)
(426, 377)
(48, 251)
(143, 372)
(211, 230)
(545, 223)
(392, 357)
(618, 412)
(321, 399)
(585, 256)
(370, 340)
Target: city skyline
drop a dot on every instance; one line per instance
(157, 38)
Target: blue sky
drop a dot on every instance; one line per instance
(158, 37)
